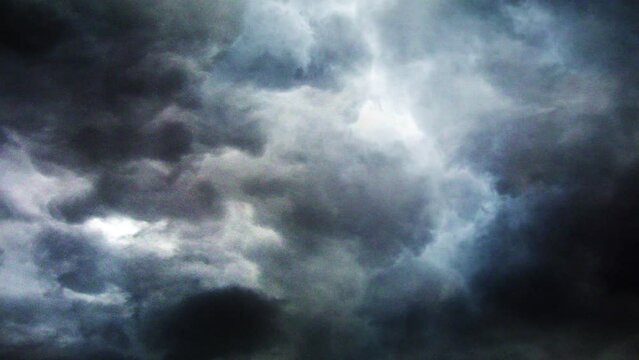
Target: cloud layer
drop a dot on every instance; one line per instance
(387, 179)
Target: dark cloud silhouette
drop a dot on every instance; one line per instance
(218, 324)
(568, 261)
(31, 29)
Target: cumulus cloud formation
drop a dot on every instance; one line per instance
(386, 179)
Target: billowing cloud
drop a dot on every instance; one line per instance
(387, 179)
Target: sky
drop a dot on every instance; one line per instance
(335, 179)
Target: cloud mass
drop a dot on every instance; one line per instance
(387, 179)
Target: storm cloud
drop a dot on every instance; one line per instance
(387, 179)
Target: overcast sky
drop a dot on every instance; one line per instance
(335, 179)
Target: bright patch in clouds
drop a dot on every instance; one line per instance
(127, 233)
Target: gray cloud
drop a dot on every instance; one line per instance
(72, 260)
(320, 205)
(342, 180)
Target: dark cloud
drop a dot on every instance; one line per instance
(21, 335)
(148, 277)
(558, 149)
(5, 210)
(73, 259)
(117, 82)
(168, 141)
(556, 259)
(145, 192)
(568, 257)
(415, 316)
(75, 354)
(104, 72)
(121, 82)
(323, 205)
(31, 29)
(218, 324)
